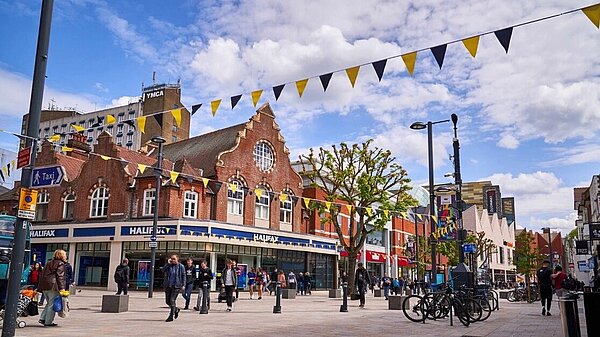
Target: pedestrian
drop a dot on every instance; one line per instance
(229, 276)
(292, 280)
(281, 279)
(300, 284)
(174, 284)
(251, 281)
(34, 278)
(386, 283)
(238, 272)
(361, 281)
(374, 281)
(557, 278)
(69, 274)
(307, 283)
(190, 279)
(396, 286)
(544, 277)
(204, 275)
(122, 277)
(273, 283)
(266, 280)
(259, 279)
(52, 281)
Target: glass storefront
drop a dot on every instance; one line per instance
(92, 260)
(43, 252)
(322, 267)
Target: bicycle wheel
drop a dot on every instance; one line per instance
(511, 296)
(473, 309)
(461, 313)
(494, 300)
(414, 308)
(486, 306)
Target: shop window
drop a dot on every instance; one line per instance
(99, 203)
(41, 210)
(69, 206)
(190, 204)
(149, 197)
(235, 198)
(285, 211)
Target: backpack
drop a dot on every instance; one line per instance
(569, 284)
(120, 274)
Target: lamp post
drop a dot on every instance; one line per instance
(458, 183)
(429, 127)
(158, 171)
(550, 257)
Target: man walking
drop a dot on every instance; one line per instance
(190, 279)
(386, 282)
(361, 280)
(174, 283)
(544, 277)
(122, 277)
(204, 275)
(229, 282)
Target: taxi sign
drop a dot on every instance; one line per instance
(27, 203)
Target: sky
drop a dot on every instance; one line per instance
(529, 119)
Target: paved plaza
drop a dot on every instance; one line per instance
(315, 315)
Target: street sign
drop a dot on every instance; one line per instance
(581, 247)
(47, 176)
(24, 157)
(153, 238)
(469, 248)
(153, 244)
(27, 203)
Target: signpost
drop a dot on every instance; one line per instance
(27, 203)
(47, 176)
(24, 157)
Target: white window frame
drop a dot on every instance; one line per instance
(149, 198)
(190, 204)
(262, 206)
(264, 155)
(235, 201)
(286, 209)
(99, 203)
(43, 199)
(66, 204)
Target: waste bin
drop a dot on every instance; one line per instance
(591, 303)
(569, 315)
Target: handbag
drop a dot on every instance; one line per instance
(57, 304)
(32, 309)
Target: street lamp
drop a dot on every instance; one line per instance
(458, 183)
(429, 127)
(158, 171)
(550, 257)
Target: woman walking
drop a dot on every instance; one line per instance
(52, 282)
(259, 283)
(251, 281)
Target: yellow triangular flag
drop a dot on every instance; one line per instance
(352, 74)
(420, 216)
(214, 105)
(258, 192)
(435, 219)
(403, 214)
(105, 157)
(54, 138)
(141, 121)
(256, 96)
(233, 187)
(110, 119)
(306, 202)
(593, 13)
(328, 204)
(66, 149)
(301, 85)
(369, 211)
(205, 181)
(13, 164)
(168, 229)
(142, 168)
(471, 44)
(386, 212)
(5, 169)
(409, 60)
(177, 115)
(174, 176)
(283, 197)
(77, 127)
(349, 208)
(191, 232)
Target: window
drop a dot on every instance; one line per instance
(99, 205)
(69, 207)
(91, 123)
(63, 128)
(262, 208)
(119, 139)
(174, 128)
(119, 128)
(285, 210)
(235, 199)
(149, 197)
(190, 204)
(41, 210)
(129, 146)
(501, 255)
(263, 156)
(174, 139)
(121, 117)
(129, 138)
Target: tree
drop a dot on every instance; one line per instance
(526, 256)
(364, 176)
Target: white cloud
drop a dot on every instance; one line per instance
(100, 87)
(526, 183)
(508, 142)
(580, 153)
(563, 224)
(124, 100)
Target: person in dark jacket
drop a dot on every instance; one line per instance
(229, 276)
(273, 284)
(205, 274)
(122, 277)
(174, 283)
(362, 280)
(307, 283)
(52, 282)
(544, 277)
(190, 279)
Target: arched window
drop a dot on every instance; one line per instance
(263, 204)
(99, 203)
(264, 155)
(190, 204)
(68, 206)
(149, 197)
(235, 198)
(41, 210)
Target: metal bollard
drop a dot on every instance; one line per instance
(344, 306)
(277, 307)
(204, 309)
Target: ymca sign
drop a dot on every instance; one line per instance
(154, 94)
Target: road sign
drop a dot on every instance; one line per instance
(47, 176)
(153, 238)
(469, 248)
(27, 203)
(24, 157)
(153, 244)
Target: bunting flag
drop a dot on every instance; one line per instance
(258, 192)
(434, 218)
(277, 91)
(142, 168)
(110, 119)
(369, 211)
(5, 169)
(283, 197)
(233, 187)
(66, 149)
(256, 96)
(386, 212)
(105, 157)
(379, 67)
(195, 108)
(471, 44)
(593, 13)
(2, 175)
(214, 105)
(234, 100)
(301, 85)
(352, 74)
(403, 215)
(141, 122)
(503, 36)
(130, 122)
(306, 202)
(177, 116)
(325, 78)
(349, 208)
(205, 182)
(420, 216)
(409, 61)
(54, 138)
(439, 52)
(159, 119)
(328, 205)
(174, 175)
(77, 128)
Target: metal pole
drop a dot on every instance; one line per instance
(277, 307)
(431, 202)
(417, 244)
(458, 183)
(33, 124)
(344, 306)
(550, 248)
(204, 309)
(158, 173)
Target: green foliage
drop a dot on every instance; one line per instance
(526, 257)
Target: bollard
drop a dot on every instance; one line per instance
(344, 306)
(204, 308)
(277, 307)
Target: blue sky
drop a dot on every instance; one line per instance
(529, 119)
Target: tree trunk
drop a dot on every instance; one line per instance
(351, 271)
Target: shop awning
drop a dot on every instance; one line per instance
(344, 253)
(375, 256)
(403, 261)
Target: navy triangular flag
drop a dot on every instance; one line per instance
(235, 100)
(158, 118)
(439, 52)
(2, 176)
(130, 122)
(277, 90)
(8, 169)
(325, 78)
(379, 67)
(195, 108)
(503, 36)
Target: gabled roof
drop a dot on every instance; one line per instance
(71, 165)
(12, 195)
(3, 190)
(134, 158)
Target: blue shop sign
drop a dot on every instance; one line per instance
(193, 230)
(324, 245)
(94, 231)
(147, 230)
(270, 238)
(49, 233)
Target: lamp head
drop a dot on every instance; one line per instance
(418, 126)
(454, 118)
(158, 140)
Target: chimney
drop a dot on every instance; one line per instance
(80, 147)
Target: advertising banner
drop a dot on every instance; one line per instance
(143, 274)
(581, 247)
(242, 272)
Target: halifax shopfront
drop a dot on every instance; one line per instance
(95, 250)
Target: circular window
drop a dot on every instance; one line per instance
(263, 156)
